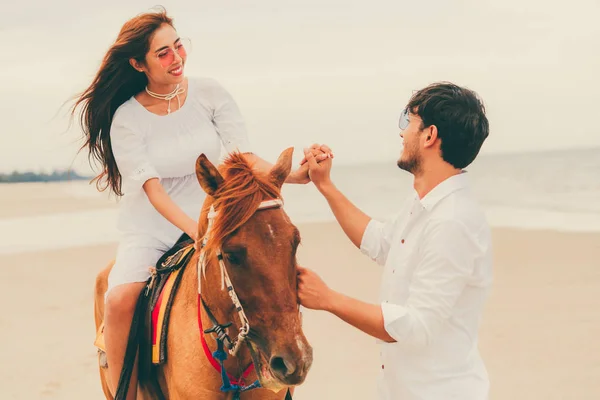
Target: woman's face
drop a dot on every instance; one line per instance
(166, 58)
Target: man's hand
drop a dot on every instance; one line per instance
(313, 293)
(318, 172)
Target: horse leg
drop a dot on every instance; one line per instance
(99, 291)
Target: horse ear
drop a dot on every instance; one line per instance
(282, 167)
(209, 177)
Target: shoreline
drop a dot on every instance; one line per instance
(104, 239)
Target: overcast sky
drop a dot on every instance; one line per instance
(328, 71)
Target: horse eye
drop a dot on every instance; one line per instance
(235, 255)
(233, 258)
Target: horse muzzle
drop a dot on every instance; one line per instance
(286, 366)
(290, 369)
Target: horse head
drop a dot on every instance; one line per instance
(249, 245)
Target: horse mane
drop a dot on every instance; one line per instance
(237, 199)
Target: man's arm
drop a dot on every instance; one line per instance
(352, 220)
(372, 237)
(364, 316)
(313, 293)
(446, 266)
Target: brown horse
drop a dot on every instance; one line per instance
(258, 244)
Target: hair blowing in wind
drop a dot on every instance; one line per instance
(115, 82)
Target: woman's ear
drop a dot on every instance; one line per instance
(136, 65)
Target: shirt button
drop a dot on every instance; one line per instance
(402, 241)
(382, 366)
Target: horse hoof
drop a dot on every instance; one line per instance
(102, 359)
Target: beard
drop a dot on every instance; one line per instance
(412, 162)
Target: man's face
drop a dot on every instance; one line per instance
(411, 159)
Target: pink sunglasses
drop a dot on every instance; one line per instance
(166, 56)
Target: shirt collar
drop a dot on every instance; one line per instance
(443, 189)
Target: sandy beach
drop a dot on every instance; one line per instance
(539, 337)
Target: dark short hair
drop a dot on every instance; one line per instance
(459, 115)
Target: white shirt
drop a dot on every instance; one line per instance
(437, 273)
(146, 145)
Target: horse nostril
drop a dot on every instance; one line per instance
(282, 366)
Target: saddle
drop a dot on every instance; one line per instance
(154, 308)
(167, 276)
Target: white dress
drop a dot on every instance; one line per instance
(145, 146)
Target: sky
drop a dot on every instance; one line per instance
(327, 71)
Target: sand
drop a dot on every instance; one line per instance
(539, 338)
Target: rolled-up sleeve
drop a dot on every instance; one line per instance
(228, 120)
(377, 239)
(129, 150)
(446, 262)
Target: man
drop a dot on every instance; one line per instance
(436, 254)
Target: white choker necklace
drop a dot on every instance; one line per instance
(169, 96)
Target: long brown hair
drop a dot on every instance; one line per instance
(116, 81)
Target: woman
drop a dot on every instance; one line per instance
(146, 123)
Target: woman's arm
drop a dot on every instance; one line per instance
(137, 172)
(299, 176)
(163, 203)
(169, 209)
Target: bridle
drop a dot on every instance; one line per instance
(219, 330)
(233, 346)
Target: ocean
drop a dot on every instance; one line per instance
(547, 190)
(558, 190)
